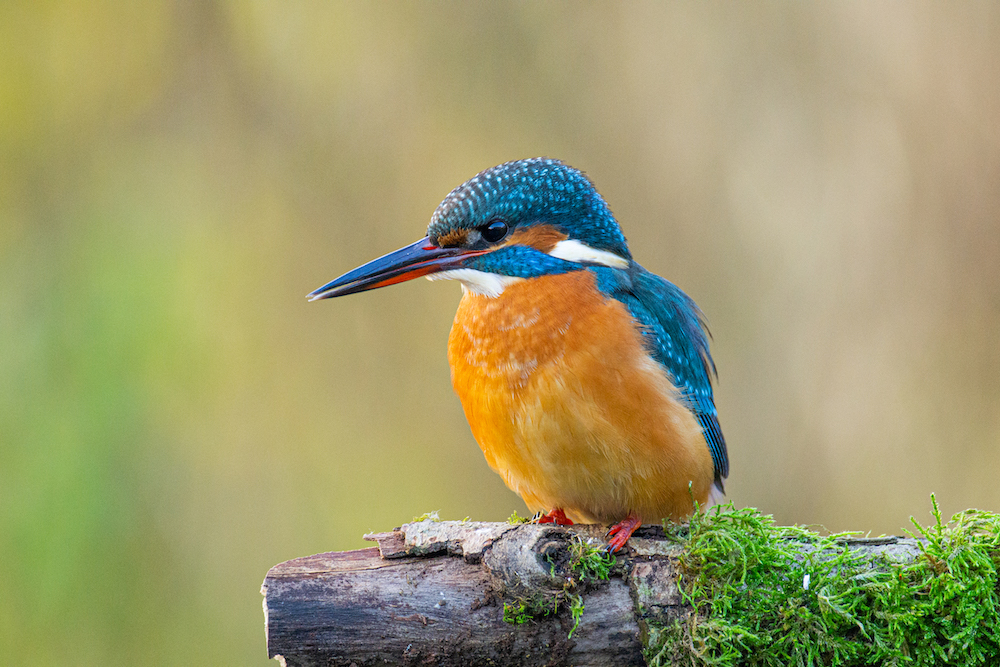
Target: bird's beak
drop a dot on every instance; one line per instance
(417, 259)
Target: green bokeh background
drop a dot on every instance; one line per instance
(824, 179)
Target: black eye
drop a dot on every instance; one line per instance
(494, 230)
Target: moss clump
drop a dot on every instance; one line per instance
(576, 608)
(516, 520)
(769, 595)
(521, 611)
(587, 565)
(590, 562)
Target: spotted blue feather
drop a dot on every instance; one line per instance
(527, 192)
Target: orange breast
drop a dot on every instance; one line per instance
(569, 408)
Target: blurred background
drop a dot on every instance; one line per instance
(175, 418)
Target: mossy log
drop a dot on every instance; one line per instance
(470, 593)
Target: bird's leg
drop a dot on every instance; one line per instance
(556, 516)
(619, 533)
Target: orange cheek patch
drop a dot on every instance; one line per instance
(539, 237)
(453, 239)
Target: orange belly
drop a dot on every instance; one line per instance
(570, 409)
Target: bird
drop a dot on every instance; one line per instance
(586, 380)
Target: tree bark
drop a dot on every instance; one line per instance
(433, 593)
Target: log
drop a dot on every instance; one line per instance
(435, 592)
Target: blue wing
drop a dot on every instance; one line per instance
(676, 335)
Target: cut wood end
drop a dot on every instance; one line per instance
(390, 545)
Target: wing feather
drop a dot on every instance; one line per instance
(676, 335)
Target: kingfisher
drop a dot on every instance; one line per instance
(585, 379)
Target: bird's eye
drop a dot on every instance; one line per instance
(494, 230)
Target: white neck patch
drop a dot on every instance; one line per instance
(478, 282)
(575, 251)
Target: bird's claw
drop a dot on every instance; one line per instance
(556, 516)
(619, 533)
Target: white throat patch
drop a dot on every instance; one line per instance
(575, 251)
(477, 282)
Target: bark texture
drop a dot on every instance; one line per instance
(433, 593)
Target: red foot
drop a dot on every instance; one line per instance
(619, 533)
(556, 516)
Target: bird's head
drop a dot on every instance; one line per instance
(521, 219)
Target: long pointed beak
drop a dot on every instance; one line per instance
(415, 260)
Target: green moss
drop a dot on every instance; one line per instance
(590, 562)
(587, 564)
(576, 608)
(770, 595)
(522, 611)
(427, 516)
(515, 520)
(668, 645)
